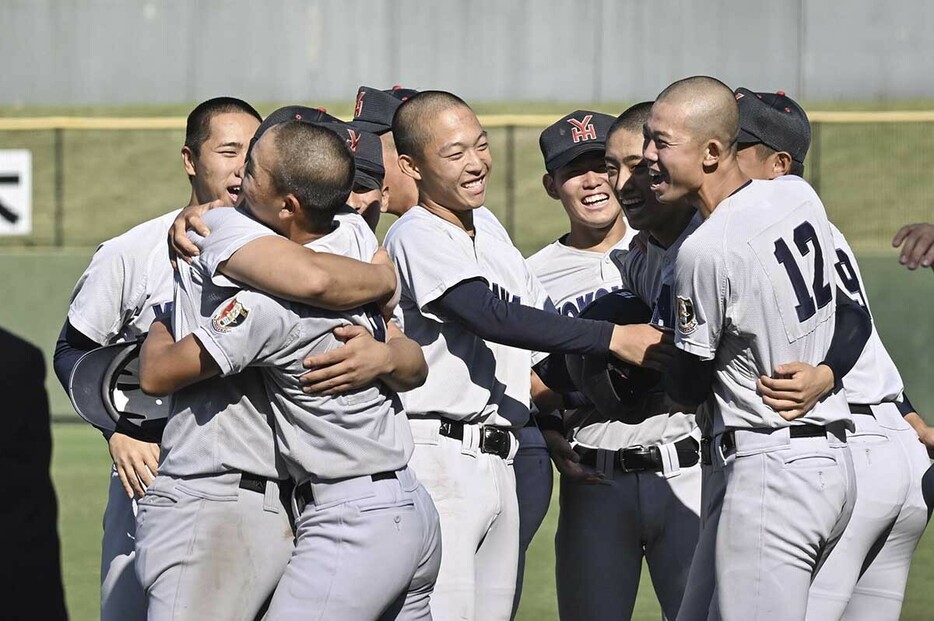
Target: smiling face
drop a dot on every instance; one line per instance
(453, 167)
(584, 190)
(675, 158)
(629, 177)
(215, 168)
(260, 195)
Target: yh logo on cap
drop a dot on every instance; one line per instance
(583, 130)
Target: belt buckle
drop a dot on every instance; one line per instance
(494, 440)
(621, 457)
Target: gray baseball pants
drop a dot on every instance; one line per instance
(122, 597)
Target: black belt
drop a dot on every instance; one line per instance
(255, 483)
(305, 496)
(494, 440)
(859, 408)
(728, 439)
(643, 458)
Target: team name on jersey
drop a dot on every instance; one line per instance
(503, 294)
(572, 308)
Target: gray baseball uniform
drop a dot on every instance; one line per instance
(604, 531)
(866, 574)
(474, 382)
(213, 531)
(754, 288)
(357, 529)
(128, 282)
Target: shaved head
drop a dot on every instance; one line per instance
(709, 107)
(632, 119)
(411, 125)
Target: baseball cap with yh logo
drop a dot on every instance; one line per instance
(575, 134)
(775, 120)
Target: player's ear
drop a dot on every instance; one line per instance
(410, 167)
(188, 160)
(290, 207)
(383, 200)
(551, 188)
(781, 164)
(712, 153)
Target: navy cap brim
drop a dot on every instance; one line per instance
(366, 179)
(369, 126)
(573, 153)
(110, 371)
(744, 137)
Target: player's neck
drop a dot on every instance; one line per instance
(460, 219)
(668, 234)
(718, 187)
(592, 239)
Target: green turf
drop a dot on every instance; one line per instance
(80, 469)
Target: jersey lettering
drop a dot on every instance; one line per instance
(848, 277)
(162, 310)
(807, 306)
(572, 308)
(504, 295)
(377, 322)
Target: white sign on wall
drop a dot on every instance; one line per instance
(15, 192)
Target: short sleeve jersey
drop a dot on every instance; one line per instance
(575, 278)
(754, 288)
(470, 379)
(224, 424)
(874, 379)
(128, 283)
(361, 432)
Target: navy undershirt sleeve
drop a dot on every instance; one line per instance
(852, 328)
(473, 305)
(70, 346)
(904, 406)
(689, 380)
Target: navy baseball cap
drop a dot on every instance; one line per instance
(573, 135)
(367, 153)
(775, 120)
(104, 389)
(291, 113)
(375, 108)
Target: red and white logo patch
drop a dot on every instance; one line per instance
(583, 130)
(229, 317)
(352, 140)
(358, 107)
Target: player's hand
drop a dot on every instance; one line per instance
(926, 436)
(137, 462)
(388, 305)
(796, 388)
(567, 461)
(189, 220)
(918, 248)
(644, 345)
(360, 361)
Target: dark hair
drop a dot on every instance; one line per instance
(316, 166)
(411, 127)
(764, 152)
(198, 127)
(632, 119)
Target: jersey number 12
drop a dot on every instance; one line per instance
(805, 238)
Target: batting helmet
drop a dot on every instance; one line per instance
(618, 390)
(104, 388)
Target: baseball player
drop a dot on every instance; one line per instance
(368, 198)
(598, 228)
(367, 541)
(866, 574)
(754, 288)
(466, 298)
(129, 282)
(373, 112)
(614, 512)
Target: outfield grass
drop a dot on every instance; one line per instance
(80, 470)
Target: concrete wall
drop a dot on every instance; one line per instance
(161, 51)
